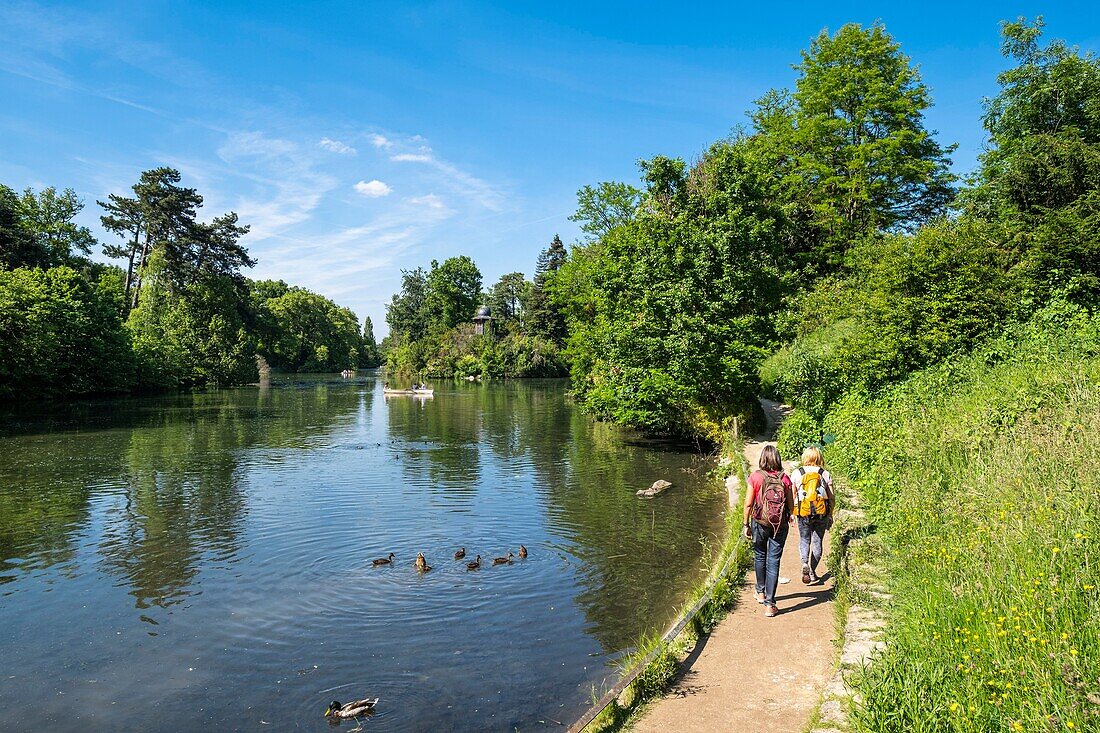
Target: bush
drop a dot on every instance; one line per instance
(799, 430)
(910, 301)
(60, 335)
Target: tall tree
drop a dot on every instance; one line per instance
(850, 144)
(1041, 174)
(406, 313)
(169, 211)
(163, 216)
(370, 356)
(543, 315)
(506, 297)
(454, 292)
(670, 314)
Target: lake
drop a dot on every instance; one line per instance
(203, 561)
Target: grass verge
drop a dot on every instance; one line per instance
(981, 477)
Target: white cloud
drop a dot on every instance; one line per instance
(373, 189)
(340, 263)
(380, 141)
(412, 158)
(287, 186)
(335, 146)
(430, 200)
(458, 180)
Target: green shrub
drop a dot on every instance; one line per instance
(60, 334)
(910, 301)
(799, 430)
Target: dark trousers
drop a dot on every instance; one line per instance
(768, 549)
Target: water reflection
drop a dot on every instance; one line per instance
(201, 551)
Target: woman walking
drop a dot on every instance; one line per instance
(768, 504)
(813, 507)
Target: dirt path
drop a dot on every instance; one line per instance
(752, 672)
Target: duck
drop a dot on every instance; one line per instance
(422, 564)
(383, 560)
(522, 552)
(503, 560)
(475, 564)
(353, 709)
(460, 554)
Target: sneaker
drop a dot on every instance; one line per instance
(814, 580)
(758, 596)
(806, 574)
(771, 611)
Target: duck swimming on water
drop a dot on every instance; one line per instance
(522, 552)
(422, 564)
(475, 564)
(460, 554)
(383, 560)
(503, 560)
(353, 709)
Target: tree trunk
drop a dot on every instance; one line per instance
(140, 271)
(129, 277)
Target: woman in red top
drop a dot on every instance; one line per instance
(769, 502)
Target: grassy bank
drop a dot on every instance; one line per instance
(981, 476)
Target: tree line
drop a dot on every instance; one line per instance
(177, 313)
(432, 330)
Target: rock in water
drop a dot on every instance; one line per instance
(657, 487)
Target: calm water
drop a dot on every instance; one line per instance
(202, 562)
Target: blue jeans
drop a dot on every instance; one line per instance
(768, 549)
(810, 535)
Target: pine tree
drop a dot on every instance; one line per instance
(544, 316)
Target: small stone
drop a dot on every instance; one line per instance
(657, 487)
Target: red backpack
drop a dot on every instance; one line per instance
(770, 505)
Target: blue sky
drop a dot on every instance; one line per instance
(360, 138)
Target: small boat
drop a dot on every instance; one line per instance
(419, 392)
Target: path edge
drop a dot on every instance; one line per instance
(862, 601)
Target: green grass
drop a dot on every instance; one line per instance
(982, 476)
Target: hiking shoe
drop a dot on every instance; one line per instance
(771, 611)
(806, 575)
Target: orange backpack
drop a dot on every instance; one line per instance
(812, 500)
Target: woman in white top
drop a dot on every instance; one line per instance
(814, 500)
